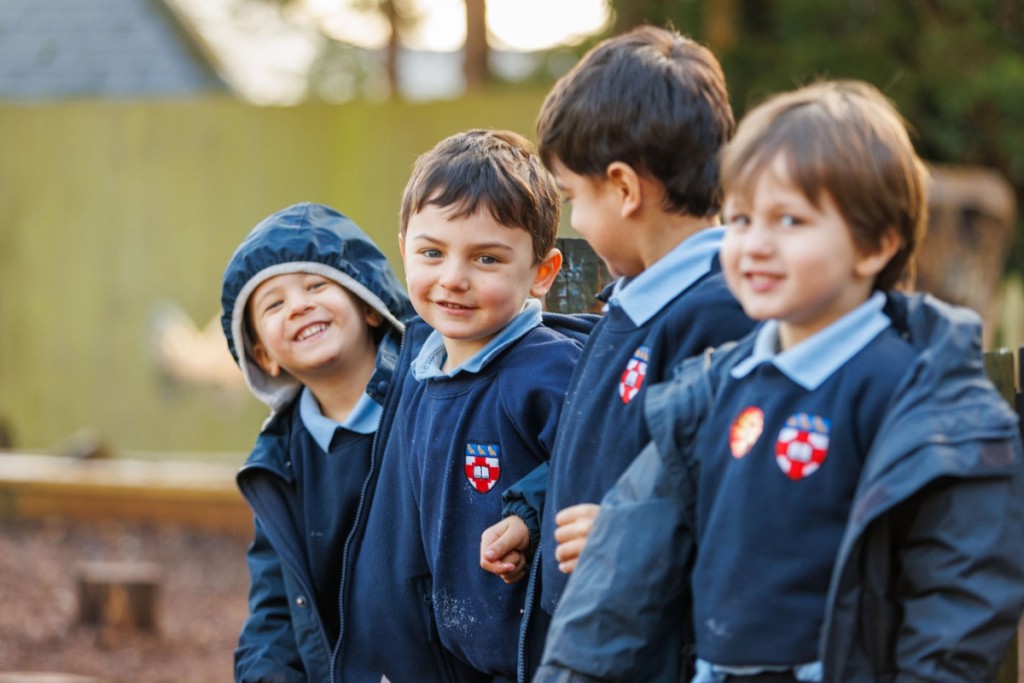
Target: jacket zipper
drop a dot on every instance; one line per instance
(528, 605)
(370, 477)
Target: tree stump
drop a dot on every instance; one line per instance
(972, 225)
(583, 275)
(118, 595)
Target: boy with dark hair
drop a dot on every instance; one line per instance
(313, 315)
(631, 135)
(478, 410)
(840, 491)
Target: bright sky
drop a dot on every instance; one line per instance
(513, 24)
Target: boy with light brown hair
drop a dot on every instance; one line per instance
(838, 496)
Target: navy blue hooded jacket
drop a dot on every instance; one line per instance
(291, 630)
(928, 584)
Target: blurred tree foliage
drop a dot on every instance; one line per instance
(955, 68)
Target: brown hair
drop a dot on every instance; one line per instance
(844, 138)
(650, 98)
(497, 169)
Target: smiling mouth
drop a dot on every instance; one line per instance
(307, 332)
(762, 280)
(452, 306)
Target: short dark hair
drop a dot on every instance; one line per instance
(844, 138)
(496, 169)
(650, 98)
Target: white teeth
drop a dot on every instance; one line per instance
(311, 330)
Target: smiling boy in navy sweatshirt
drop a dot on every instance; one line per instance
(477, 411)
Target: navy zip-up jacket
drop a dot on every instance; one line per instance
(295, 557)
(928, 584)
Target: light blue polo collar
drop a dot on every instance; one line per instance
(363, 419)
(432, 355)
(644, 295)
(816, 358)
(707, 672)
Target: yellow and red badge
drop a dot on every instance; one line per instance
(745, 431)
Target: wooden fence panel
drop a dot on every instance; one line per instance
(109, 211)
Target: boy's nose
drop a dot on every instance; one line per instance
(758, 240)
(453, 277)
(298, 305)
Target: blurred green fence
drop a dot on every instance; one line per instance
(110, 211)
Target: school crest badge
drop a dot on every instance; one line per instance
(745, 431)
(482, 466)
(633, 376)
(802, 445)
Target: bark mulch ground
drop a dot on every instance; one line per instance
(200, 607)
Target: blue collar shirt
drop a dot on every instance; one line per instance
(363, 419)
(816, 358)
(430, 360)
(643, 296)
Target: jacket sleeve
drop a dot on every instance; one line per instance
(961, 573)
(625, 611)
(525, 499)
(266, 647)
(535, 412)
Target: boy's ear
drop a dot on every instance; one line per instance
(626, 183)
(401, 246)
(373, 316)
(546, 272)
(870, 265)
(264, 361)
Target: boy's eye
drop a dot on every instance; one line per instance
(431, 253)
(272, 305)
(313, 286)
(737, 221)
(488, 260)
(789, 221)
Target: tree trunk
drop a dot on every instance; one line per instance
(390, 11)
(720, 25)
(476, 65)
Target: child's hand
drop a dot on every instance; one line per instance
(574, 524)
(503, 549)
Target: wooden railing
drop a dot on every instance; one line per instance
(197, 494)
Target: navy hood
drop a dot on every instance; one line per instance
(307, 238)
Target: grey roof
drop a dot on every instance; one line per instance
(51, 49)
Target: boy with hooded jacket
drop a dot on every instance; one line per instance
(313, 315)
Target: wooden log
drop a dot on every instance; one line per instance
(118, 595)
(44, 677)
(190, 493)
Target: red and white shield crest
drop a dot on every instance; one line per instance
(482, 467)
(802, 445)
(633, 376)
